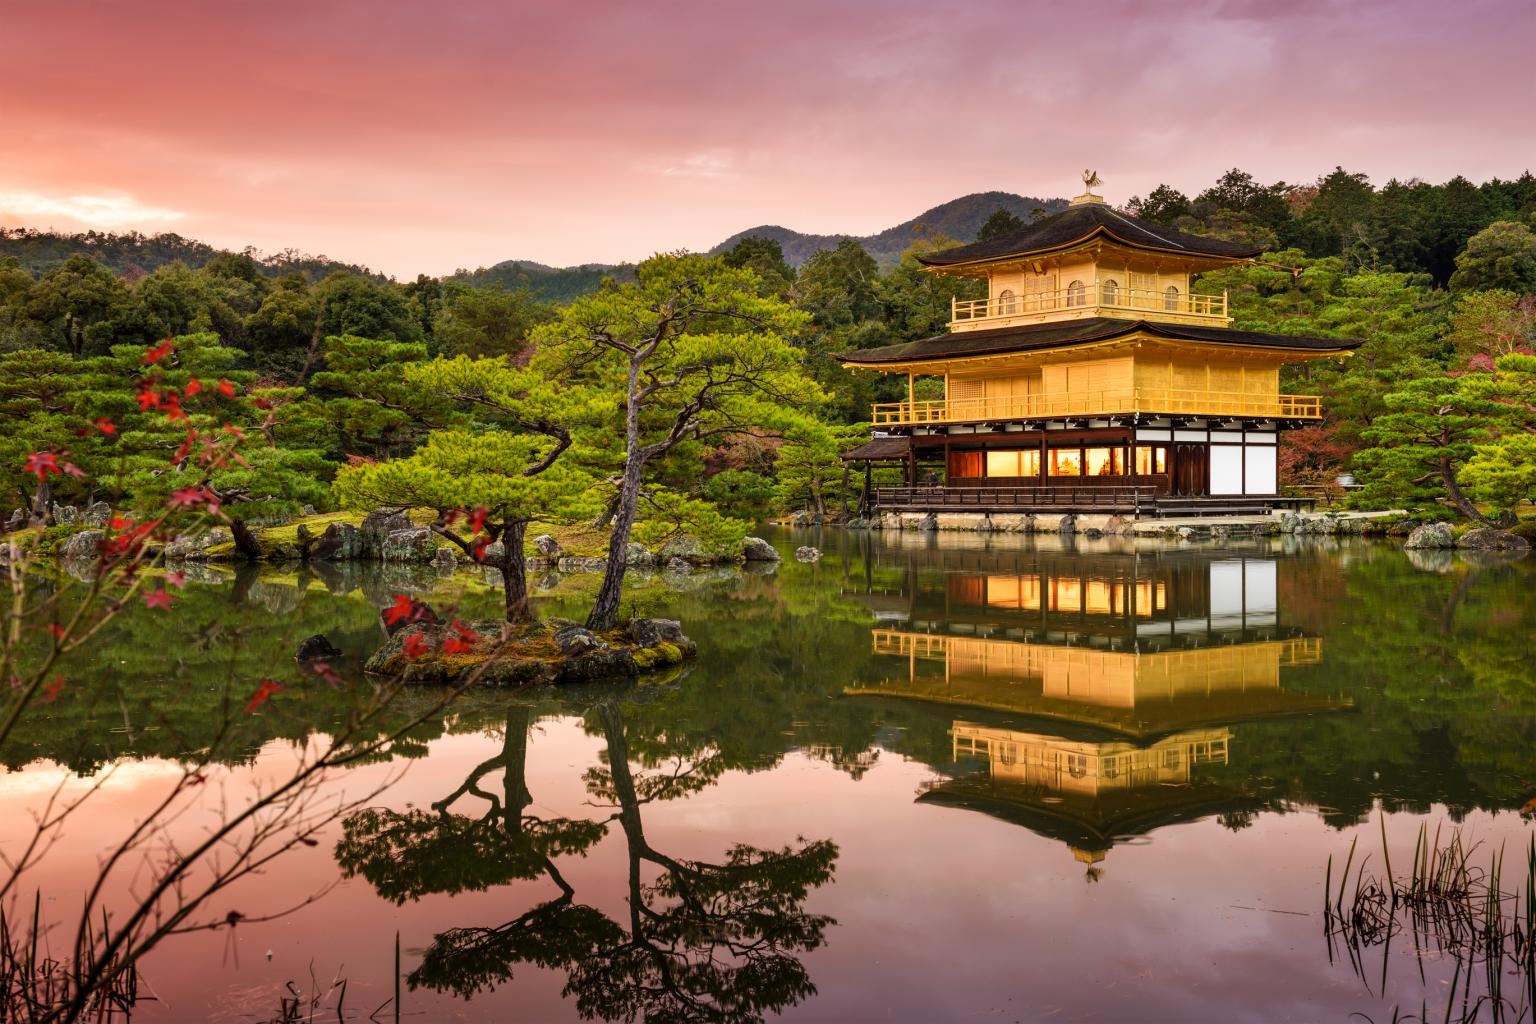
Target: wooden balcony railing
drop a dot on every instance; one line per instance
(1089, 300)
(1113, 402)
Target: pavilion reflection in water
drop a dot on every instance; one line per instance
(1130, 670)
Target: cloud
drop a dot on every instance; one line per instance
(699, 165)
(92, 211)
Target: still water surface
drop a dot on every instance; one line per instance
(925, 779)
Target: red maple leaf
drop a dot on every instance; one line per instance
(42, 463)
(463, 638)
(148, 399)
(51, 691)
(176, 579)
(226, 389)
(193, 387)
(416, 646)
(158, 599)
(173, 410)
(159, 352)
(73, 470)
(477, 519)
(58, 630)
(403, 610)
(120, 524)
(263, 692)
(106, 426)
(477, 549)
(191, 497)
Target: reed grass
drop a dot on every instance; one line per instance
(1455, 905)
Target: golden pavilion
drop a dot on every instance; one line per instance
(1096, 376)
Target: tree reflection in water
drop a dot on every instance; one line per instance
(704, 941)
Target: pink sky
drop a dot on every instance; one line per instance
(424, 137)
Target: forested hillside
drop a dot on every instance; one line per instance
(132, 255)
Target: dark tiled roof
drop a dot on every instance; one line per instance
(1078, 224)
(880, 449)
(1075, 332)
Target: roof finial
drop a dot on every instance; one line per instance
(1091, 180)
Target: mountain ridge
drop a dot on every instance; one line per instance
(960, 218)
(133, 254)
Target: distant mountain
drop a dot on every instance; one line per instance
(132, 255)
(960, 219)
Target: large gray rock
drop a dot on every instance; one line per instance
(578, 640)
(65, 515)
(1431, 535)
(414, 544)
(755, 549)
(378, 525)
(1067, 525)
(341, 542)
(284, 552)
(686, 547)
(548, 546)
(82, 545)
(97, 515)
(650, 632)
(1486, 539)
(678, 566)
(445, 559)
(928, 524)
(195, 546)
(639, 556)
(807, 554)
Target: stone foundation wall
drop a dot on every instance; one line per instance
(1115, 525)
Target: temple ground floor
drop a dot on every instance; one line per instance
(1141, 467)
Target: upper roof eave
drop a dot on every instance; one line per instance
(1079, 224)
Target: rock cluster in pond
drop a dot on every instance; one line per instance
(1431, 535)
(555, 651)
(1488, 539)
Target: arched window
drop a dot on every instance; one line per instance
(1075, 294)
(1111, 292)
(1171, 299)
(1007, 303)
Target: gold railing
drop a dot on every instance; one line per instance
(1112, 402)
(1087, 299)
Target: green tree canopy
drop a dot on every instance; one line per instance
(1502, 256)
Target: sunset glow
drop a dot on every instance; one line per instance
(420, 138)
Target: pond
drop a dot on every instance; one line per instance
(926, 778)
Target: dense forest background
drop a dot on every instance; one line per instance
(1436, 279)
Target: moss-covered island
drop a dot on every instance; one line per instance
(488, 652)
